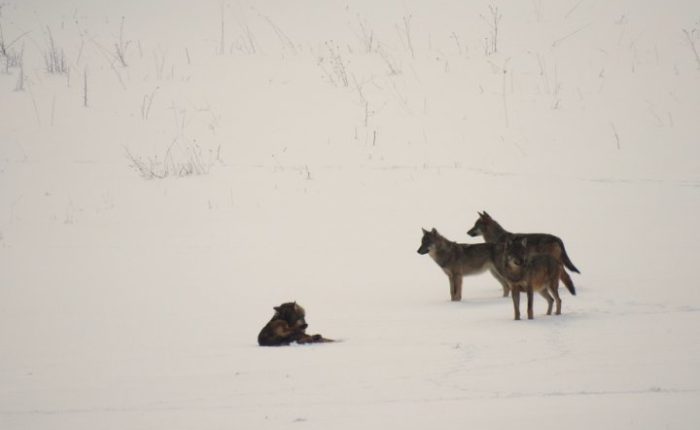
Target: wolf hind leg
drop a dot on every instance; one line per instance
(549, 299)
(554, 289)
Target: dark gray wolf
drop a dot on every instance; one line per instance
(537, 243)
(530, 273)
(288, 325)
(460, 259)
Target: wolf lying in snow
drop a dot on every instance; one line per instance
(288, 325)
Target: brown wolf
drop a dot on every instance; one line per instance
(288, 325)
(537, 243)
(530, 273)
(460, 259)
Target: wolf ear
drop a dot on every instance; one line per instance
(486, 215)
(434, 231)
(276, 308)
(424, 230)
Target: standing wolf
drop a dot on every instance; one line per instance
(537, 243)
(530, 273)
(288, 325)
(460, 259)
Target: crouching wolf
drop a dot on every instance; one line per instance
(460, 259)
(537, 243)
(288, 325)
(530, 273)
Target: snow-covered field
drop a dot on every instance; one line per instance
(189, 165)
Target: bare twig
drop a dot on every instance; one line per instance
(20, 77)
(457, 42)
(407, 34)
(36, 108)
(179, 160)
(107, 56)
(556, 99)
(505, 99)
(53, 109)
(85, 88)
(394, 68)
(146, 104)
(691, 41)
(573, 9)
(338, 64)
(617, 137)
(222, 42)
(363, 100)
(159, 60)
(493, 21)
(4, 46)
(563, 38)
(247, 41)
(537, 5)
(367, 36)
(54, 58)
(80, 51)
(120, 48)
(281, 35)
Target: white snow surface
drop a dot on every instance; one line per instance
(305, 144)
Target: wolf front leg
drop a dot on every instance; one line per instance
(456, 288)
(515, 294)
(529, 302)
(310, 338)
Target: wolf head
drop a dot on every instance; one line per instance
(481, 224)
(516, 251)
(292, 313)
(429, 241)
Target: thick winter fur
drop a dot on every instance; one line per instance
(460, 259)
(530, 273)
(288, 325)
(537, 243)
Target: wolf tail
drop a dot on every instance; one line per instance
(565, 258)
(566, 279)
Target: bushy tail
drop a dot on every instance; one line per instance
(565, 258)
(566, 279)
